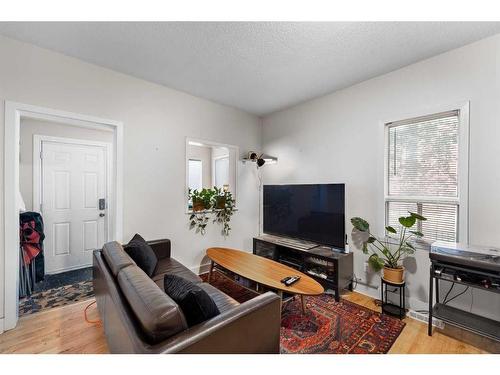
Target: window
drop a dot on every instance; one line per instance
(423, 174)
(195, 173)
(221, 165)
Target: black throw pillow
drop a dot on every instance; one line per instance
(194, 302)
(142, 254)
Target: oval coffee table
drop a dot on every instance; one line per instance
(263, 271)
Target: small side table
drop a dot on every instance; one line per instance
(391, 308)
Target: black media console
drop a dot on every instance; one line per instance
(331, 268)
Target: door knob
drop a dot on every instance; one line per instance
(102, 215)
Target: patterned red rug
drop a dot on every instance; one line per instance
(328, 327)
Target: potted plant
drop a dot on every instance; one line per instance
(223, 215)
(220, 198)
(388, 254)
(202, 199)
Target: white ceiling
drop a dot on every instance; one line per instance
(259, 67)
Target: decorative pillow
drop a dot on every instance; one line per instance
(142, 254)
(194, 302)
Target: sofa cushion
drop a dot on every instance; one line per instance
(116, 257)
(142, 254)
(158, 315)
(195, 302)
(172, 267)
(222, 300)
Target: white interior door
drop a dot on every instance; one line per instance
(73, 181)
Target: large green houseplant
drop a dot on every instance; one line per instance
(389, 253)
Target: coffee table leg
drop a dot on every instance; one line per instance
(210, 271)
(280, 294)
(303, 302)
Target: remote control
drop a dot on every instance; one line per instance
(284, 280)
(292, 280)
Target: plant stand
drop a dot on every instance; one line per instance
(391, 308)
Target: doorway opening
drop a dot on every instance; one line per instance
(63, 182)
(63, 185)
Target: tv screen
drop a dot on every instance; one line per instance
(308, 212)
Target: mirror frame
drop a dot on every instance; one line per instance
(216, 144)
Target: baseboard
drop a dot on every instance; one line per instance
(202, 268)
(374, 292)
(1, 325)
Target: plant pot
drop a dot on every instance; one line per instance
(394, 275)
(220, 202)
(198, 205)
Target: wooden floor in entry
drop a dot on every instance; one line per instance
(64, 330)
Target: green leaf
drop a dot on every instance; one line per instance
(390, 229)
(360, 224)
(417, 233)
(371, 239)
(408, 221)
(417, 216)
(375, 262)
(410, 245)
(365, 248)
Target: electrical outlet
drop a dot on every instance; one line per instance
(367, 267)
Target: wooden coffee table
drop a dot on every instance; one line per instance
(263, 271)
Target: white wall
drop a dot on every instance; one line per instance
(339, 138)
(156, 121)
(31, 127)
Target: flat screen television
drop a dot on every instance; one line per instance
(308, 212)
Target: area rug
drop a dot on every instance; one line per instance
(56, 297)
(328, 327)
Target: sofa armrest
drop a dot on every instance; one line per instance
(161, 248)
(251, 327)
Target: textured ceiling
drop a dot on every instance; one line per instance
(259, 67)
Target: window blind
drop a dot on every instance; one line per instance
(423, 173)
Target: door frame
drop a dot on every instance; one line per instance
(37, 190)
(14, 112)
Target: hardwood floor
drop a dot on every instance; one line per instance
(59, 330)
(414, 338)
(64, 330)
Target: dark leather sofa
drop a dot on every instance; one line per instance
(138, 317)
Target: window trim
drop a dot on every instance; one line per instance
(462, 199)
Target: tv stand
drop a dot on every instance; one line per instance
(330, 267)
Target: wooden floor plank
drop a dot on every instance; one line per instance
(64, 330)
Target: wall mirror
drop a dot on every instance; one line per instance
(210, 164)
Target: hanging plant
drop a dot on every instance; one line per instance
(201, 199)
(198, 221)
(224, 211)
(207, 201)
(201, 203)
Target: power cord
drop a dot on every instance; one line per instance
(458, 295)
(354, 281)
(96, 322)
(448, 293)
(446, 300)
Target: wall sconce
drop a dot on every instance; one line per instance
(261, 159)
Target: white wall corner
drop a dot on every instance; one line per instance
(1, 326)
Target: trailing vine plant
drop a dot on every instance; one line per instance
(215, 201)
(223, 213)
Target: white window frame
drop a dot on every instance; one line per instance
(462, 200)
